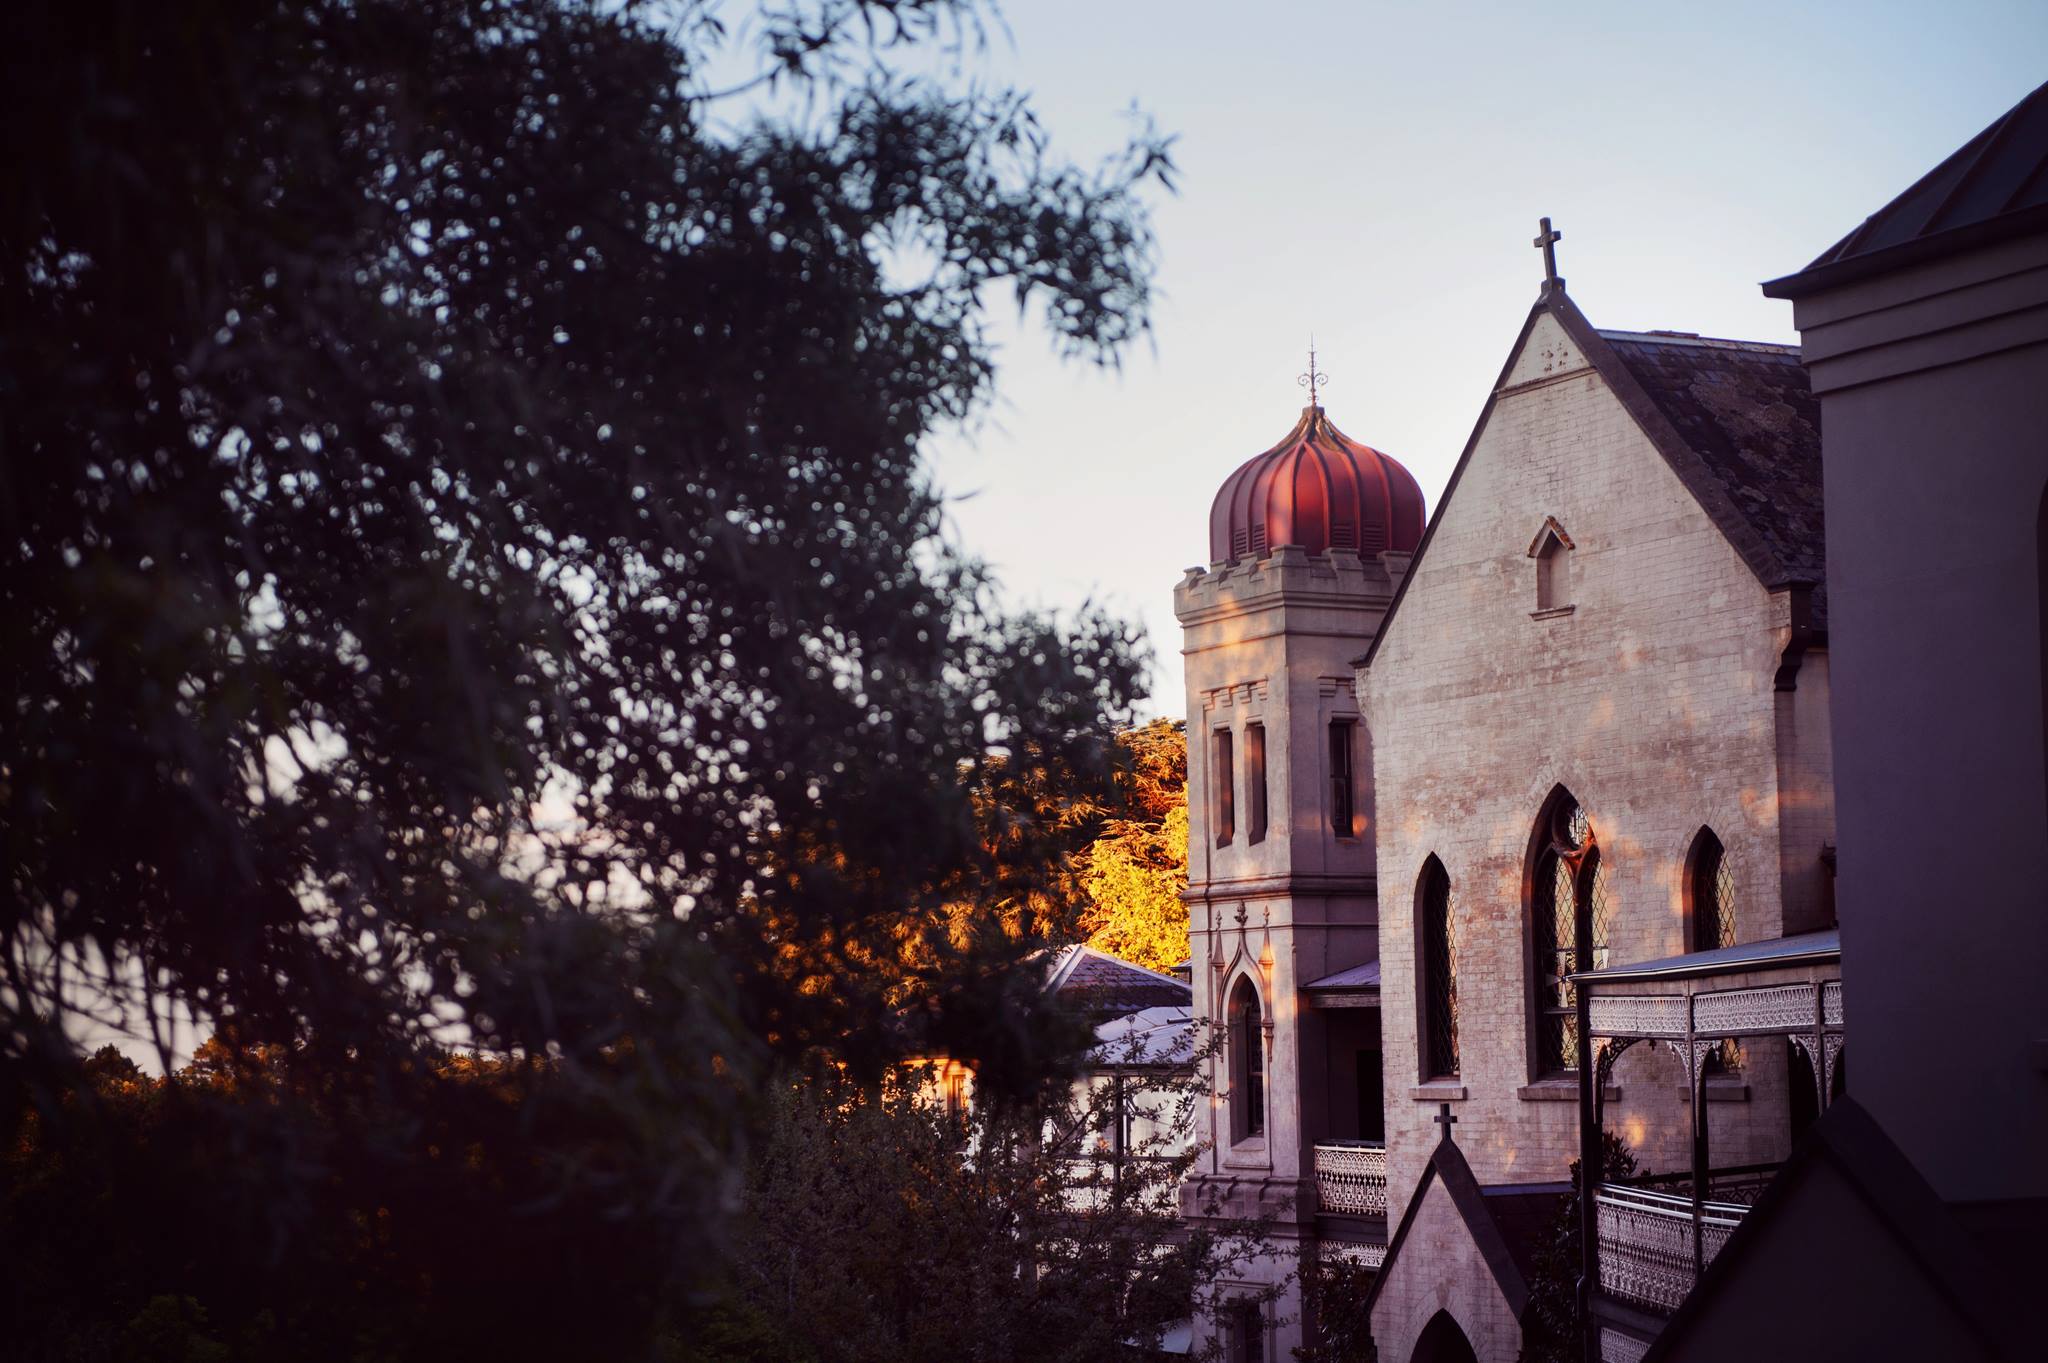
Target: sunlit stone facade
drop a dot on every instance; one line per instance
(1617, 607)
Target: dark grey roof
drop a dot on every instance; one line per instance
(1095, 982)
(1807, 946)
(1746, 410)
(1995, 186)
(1365, 976)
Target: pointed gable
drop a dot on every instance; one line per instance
(1735, 420)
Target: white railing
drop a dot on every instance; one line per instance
(1351, 1178)
(1646, 1243)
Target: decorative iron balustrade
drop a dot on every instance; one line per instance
(1351, 1178)
(1646, 1243)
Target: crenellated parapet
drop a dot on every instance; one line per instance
(1289, 578)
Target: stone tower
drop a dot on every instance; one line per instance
(1308, 543)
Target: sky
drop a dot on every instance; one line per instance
(1372, 174)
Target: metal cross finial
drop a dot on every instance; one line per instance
(1546, 241)
(1315, 378)
(1444, 1118)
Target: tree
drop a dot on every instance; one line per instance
(877, 1226)
(1551, 1331)
(469, 574)
(1134, 872)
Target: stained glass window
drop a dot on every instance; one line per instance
(1440, 966)
(1713, 918)
(1569, 882)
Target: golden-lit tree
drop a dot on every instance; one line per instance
(1133, 873)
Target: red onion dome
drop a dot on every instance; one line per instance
(1319, 489)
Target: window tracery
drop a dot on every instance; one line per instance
(1569, 914)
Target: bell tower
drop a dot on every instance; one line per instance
(1308, 543)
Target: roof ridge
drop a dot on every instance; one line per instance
(1693, 338)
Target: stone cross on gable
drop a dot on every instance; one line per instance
(1444, 1119)
(1546, 241)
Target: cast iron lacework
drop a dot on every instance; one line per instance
(1440, 949)
(1569, 881)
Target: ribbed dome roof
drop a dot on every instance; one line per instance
(1319, 489)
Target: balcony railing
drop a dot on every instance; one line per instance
(1351, 1178)
(1647, 1254)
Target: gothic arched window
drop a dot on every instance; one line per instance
(1437, 909)
(1568, 906)
(1247, 1063)
(1711, 890)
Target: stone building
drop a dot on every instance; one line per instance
(1924, 1198)
(1580, 721)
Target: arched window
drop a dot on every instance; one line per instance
(1568, 914)
(1437, 910)
(1247, 1063)
(1552, 550)
(1710, 891)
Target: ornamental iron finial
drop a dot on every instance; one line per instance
(1314, 378)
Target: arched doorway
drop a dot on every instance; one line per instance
(1443, 1342)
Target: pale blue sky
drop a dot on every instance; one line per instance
(1373, 173)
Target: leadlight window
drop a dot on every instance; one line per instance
(1342, 808)
(1713, 894)
(1248, 1063)
(1440, 971)
(1223, 790)
(1570, 892)
(1255, 779)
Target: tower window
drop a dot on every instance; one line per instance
(1247, 1063)
(1568, 913)
(1255, 779)
(1223, 790)
(1342, 805)
(1249, 1334)
(1439, 972)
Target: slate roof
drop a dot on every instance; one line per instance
(1993, 187)
(1746, 410)
(1735, 420)
(1094, 982)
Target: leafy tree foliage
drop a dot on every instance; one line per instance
(469, 577)
(1133, 873)
(1550, 1332)
(877, 1226)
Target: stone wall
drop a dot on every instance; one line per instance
(1650, 698)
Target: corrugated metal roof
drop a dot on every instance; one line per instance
(1995, 185)
(1807, 946)
(1365, 976)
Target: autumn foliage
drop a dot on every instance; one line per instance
(1132, 875)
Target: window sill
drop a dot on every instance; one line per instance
(1552, 613)
(1438, 1091)
(1249, 1153)
(1561, 1091)
(1723, 1089)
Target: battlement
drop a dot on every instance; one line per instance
(1290, 576)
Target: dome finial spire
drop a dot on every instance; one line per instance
(1315, 378)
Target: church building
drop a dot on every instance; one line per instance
(1455, 782)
